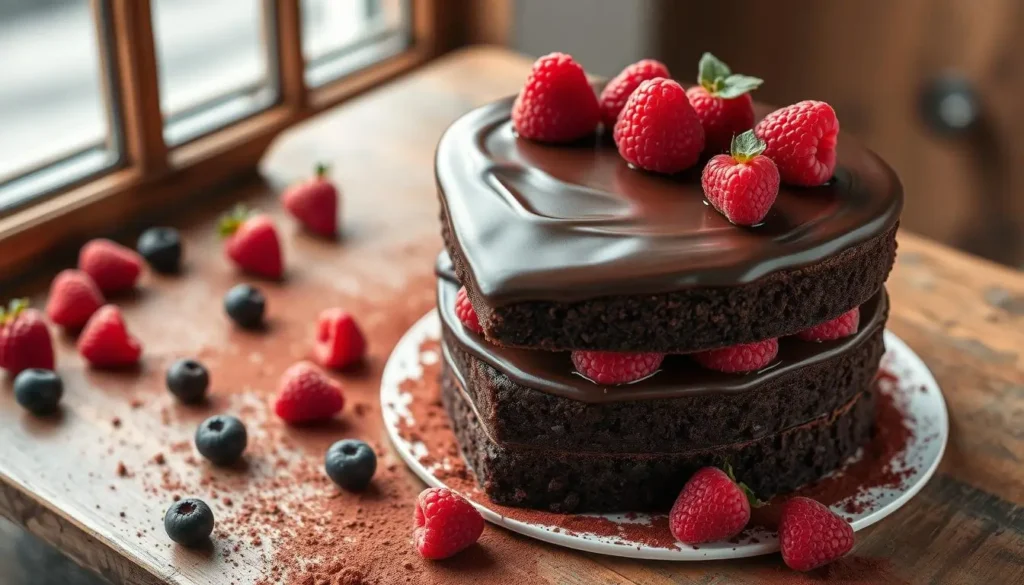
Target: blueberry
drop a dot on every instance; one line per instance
(39, 391)
(188, 380)
(161, 247)
(350, 463)
(221, 439)
(245, 305)
(189, 522)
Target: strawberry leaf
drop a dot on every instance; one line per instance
(231, 221)
(712, 72)
(734, 86)
(746, 146)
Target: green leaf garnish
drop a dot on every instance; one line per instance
(746, 146)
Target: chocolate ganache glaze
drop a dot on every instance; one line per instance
(567, 223)
(552, 372)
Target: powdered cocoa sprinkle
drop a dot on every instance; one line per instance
(116, 422)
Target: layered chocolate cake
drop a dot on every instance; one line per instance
(565, 248)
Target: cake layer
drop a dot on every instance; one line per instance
(570, 481)
(566, 247)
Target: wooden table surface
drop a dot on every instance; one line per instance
(88, 481)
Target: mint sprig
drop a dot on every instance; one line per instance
(716, 77)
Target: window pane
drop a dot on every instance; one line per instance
(214, 64)
(342, 36)
(55, 127)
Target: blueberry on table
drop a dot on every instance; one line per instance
(245, 304)
(188, 380)
(38, 391)
(189, 522)
(161, 247)
(221, 439)
(350, 464)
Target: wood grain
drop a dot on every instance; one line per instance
(964, 316)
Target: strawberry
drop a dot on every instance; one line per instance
(112, 266)
(801, 139)
(711, 507)
(844, 325)
(658, 130)
(466, 313)
(743, 184)
(24, 339)
(618, 90)
(307, 394)
(557, 103)
(339, 342)
(722, 102)
(74, 297)
(613, 368)
(314, 203)
(811, 535)
(252, 243)
(445, 523)
(105, 341)
(745, 357)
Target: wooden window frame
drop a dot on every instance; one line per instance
(153, 176)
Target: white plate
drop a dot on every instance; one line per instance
(917, 393)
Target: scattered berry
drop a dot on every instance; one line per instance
(351, 464)
(446, 523)
(245, 305)
(613, 368)
(722, 102)
(466, 313)
(161, 247)
(844, 325)
(745, 357)
(307, 394)
(252, 243)
(74, 297)
(314, 203)
(802, 141)
(105, 341)
(112, 266)
(24, 339)
(221, 439)
(742, 185)
(188, 380)
(658, 129)
(618, 90)
(38, 391)
(339, 342)
(557, 103)
(189, 522)
(811, 535)
(710, 508)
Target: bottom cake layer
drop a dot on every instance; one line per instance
(567, 481)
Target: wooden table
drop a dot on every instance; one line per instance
(64, 481)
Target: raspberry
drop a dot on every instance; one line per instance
(742, 185)
(802, 141)
(658, 129)
(844, 325)
(446, 523)
(105, 341)
(74, 297)
(112, 266)
(710, 508)
(252, 243)
(811, 535)
(24, 339)
(314, 203)
(722, 102)
(745, 357)
(557, 103)
(614, 368)
(306, 394)
(466, 313)
(618, 90)
(339, 341)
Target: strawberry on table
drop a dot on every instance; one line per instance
(811, 535)
(557, 103)
(314, 203)
(658, 130)
(339, 341)
(616, 93)
(802, 139)
(722, 102)
(743, 184)
(74, 297)
(445, 523)
(307, 394)
(113, 267)
(711, 507)
(105, 341)
(24, 339)
(842, 326)
(744, 357)
(252, 243)
(614, 368)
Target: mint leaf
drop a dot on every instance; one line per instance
(734, 86)
(746, 146)
(712, 72)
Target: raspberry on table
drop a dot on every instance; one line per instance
(74, 297)
(445, 523)
(745, 357)
(614, 368)
(340, 342)
(811, 535)
(112, 266)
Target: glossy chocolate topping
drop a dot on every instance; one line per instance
(552, 372)
(568, 223)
